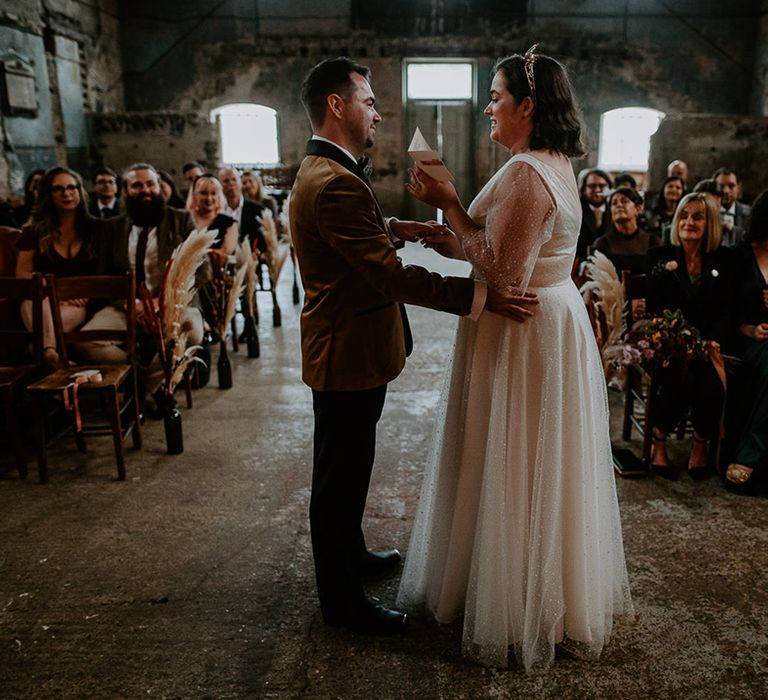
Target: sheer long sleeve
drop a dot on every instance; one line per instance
(516, 215)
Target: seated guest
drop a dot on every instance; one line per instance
(696, 275)
(170, 194)
(22, 213)
(58, 240)
(626, 244)
(206, 201)
(624, 180)
(709, 186)
(663, 209)
(733, 214)
(142, 240)
(242, 210)
(751, 458)
(678, 168)
(105, 203)
(190, 172)
(6, 215)
(253, 189)
(595, 217)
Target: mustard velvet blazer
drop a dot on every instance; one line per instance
(352, 335)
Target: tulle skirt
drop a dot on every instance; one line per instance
(518, 526)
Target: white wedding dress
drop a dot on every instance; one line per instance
(518, 526)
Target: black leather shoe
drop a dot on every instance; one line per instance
(370, 619)
(378, 563)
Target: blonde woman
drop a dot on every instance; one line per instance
(205, 202)
(694, 274)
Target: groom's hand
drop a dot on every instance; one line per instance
(519, 307)
(414, 231)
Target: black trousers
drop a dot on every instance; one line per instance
(344, 450)
(698, 386)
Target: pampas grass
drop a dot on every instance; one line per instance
(169, 323)
(285, 222)
(248, 260)
(607, 287)
(277, 251)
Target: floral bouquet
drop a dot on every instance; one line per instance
(165, 319)
(663, 341)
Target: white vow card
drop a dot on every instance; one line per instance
(428, 159)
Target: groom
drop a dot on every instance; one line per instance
(354, 330)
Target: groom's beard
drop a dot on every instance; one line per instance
(145, 212)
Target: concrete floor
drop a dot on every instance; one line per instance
(193, 579)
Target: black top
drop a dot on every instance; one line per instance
(627, 252)
(751, 285)
(708, 303)
(51, 262)
(220, 224)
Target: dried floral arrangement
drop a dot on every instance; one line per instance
(223, 290)
(277, 251)
(167, 320)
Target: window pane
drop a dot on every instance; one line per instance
(625, 137)
(248, 134)
(439, 81)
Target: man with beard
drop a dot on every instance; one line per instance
(142, 240)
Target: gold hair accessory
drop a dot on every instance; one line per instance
(529, 59)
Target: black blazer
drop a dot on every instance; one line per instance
(250, 228)
(93, 208)
(709, 304)
(590, 231)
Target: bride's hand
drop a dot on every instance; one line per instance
(444, 241)
(428, 190)
(415, 231)
(518, 308)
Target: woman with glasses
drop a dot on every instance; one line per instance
(59, 239)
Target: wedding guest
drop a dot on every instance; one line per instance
(678, 168)
(142, 240)
(190, 172)
(709, 186)
(169, 192)
(595, 216)
(253, 189)
(665, 205)
(105, 203)
(206, 202)
(22, 213)
(626, 244)
(733, 214)
(751, 457)
(58, 240)
(242, 210)
(696, 275)
(624, 180)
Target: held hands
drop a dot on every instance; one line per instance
(761, 331)
(517, 307)
(428, 190)
(415, 231)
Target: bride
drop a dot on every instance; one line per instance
(518, 526)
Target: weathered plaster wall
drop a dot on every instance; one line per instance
(681, 59)
(74, 50)
(707, 141)
(165, 139)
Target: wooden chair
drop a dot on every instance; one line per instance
(13, 377)
(640, 390)
(123, 416)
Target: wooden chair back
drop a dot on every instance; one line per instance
(635, 287)
(112, 289)
(14, 337)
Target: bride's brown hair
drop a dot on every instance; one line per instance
(556, 119)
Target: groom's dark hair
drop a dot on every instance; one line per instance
(326, 78)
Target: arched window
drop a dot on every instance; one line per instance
(625, 137)
(248, 134)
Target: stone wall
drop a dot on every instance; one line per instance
(165, 139)
(73, 48)
(708, 141)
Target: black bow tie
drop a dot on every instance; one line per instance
(364, 163)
